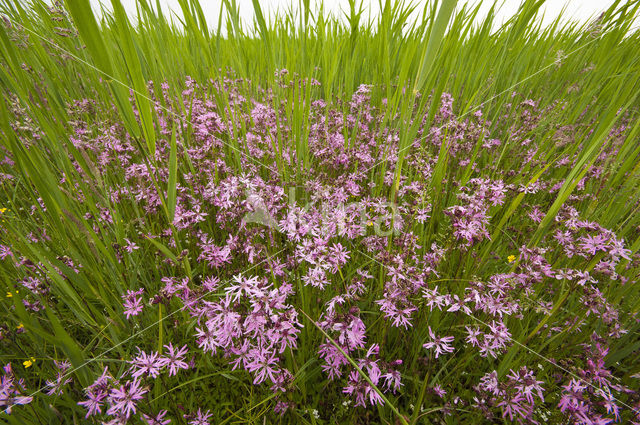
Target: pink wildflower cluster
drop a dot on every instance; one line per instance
(470, 220)
(590, 396)
(253, 326)
(515, 396)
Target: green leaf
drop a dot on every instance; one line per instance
(163, 249)
(88, 28)
(435, 39)
(132, 62)
(173, 173)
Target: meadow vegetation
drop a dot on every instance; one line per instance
(318, 219)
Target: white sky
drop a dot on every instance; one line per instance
(577, 10)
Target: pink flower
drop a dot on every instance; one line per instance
(5, 252)
(263, 364)
(174, 359)
(123, 400)
(441, 345)
(146, 365)
(132, 302)
(199, 418)
(439, 391)
(130, 246)
(156, 420)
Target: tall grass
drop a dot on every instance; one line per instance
(562, 99)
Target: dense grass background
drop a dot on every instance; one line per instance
(584, 81)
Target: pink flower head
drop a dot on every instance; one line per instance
(174, 359)
(124, 400)
(440, 344)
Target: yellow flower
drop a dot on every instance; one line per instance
(28, 363)
(511, 258)
(369, 223)
(2, 210)
(9, 295)
(20, 326)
